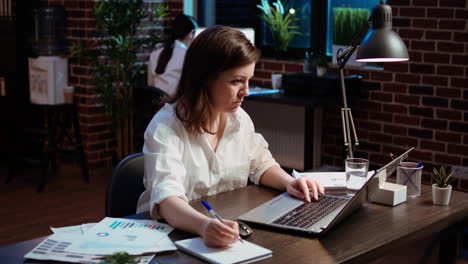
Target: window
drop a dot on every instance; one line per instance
(316, 21)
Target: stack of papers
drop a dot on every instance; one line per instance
(91, 243)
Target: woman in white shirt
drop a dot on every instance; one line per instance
(203, 143)
(165, 64)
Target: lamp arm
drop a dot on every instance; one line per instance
(343, 56)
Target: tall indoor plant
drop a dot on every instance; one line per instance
(280, 23)
(347, 22)
(115, 68)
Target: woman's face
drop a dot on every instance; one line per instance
(228, 91)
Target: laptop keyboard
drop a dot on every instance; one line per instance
(308, 214)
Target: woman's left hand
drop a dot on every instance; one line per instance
(301, 187)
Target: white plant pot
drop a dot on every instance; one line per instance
(352, 59)
(441, 196)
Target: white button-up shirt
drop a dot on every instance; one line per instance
(169, 79)
(181, 164)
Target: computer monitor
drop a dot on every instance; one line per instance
(248, 32)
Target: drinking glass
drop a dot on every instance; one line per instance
(356, 174)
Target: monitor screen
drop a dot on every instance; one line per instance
(248, 32)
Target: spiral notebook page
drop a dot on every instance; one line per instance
(237, 253)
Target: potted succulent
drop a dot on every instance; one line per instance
(441, 189)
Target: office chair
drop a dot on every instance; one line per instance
(125, 187)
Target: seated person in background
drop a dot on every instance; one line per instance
(204, 143)
(165, 64)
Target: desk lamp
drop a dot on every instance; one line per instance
(379, 44)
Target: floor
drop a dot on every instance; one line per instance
(66, 200)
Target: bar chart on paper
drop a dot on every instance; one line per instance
(116, 234)
(128, 225)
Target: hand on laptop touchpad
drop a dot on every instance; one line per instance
(244, 229)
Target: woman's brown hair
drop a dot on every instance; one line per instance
(215, 50)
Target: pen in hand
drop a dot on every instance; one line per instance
(213, 212)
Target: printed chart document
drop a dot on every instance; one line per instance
(113, 235)
(329, 180)
(236, 253)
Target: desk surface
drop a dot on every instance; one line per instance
(365, 235)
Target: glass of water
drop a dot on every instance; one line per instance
(356, 174)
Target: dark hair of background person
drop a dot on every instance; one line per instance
(181, 26)
(215, 50)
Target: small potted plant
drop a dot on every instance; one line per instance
(441, 189)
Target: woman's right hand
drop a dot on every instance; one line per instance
(217, 234)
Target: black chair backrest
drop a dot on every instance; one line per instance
(125, 187)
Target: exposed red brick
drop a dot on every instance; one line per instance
(458, 127)
(395, 108)
(272, 66)
(407, 120)
(422, 68)
(394, 87)
(425, 2)
(438, 35)
(461, 14)
(459, 104)
(422, 45)
(457, 149)
(436, 57)
(447, 159)
(434, 101)
(421, 155)
(460, 59)
(381, 116)
(396, 67)
(410, 33)
(414, 56)
(407, 78)
(384, 97)
(434, 124)
(380, 138)
(421, 111)
(448, 137)
(450, 70)
(381, 76)
(430, 145)
(289, 67)
(404, 141)
(460, 37)
(407, 99)
(395, 130)
(370, 125)
(452, 24)
(372, 106)
(424, 23)
(412, 12)
(450, 47)
(440, 12)
(262, 74)
(448, 114)
(459, 82)
(435, 80)
(453, 3)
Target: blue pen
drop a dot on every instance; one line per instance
(215, 214)
(411, 175)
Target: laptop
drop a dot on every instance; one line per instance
(318, 216)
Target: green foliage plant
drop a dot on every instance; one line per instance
(282, 25)
(441, 177)
(119, 258)
(122, 32)
(347, 22)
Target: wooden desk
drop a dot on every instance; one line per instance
(368, 234)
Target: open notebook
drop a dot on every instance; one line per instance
(236, 253)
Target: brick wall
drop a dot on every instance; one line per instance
(95, 126)
(421, 103)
